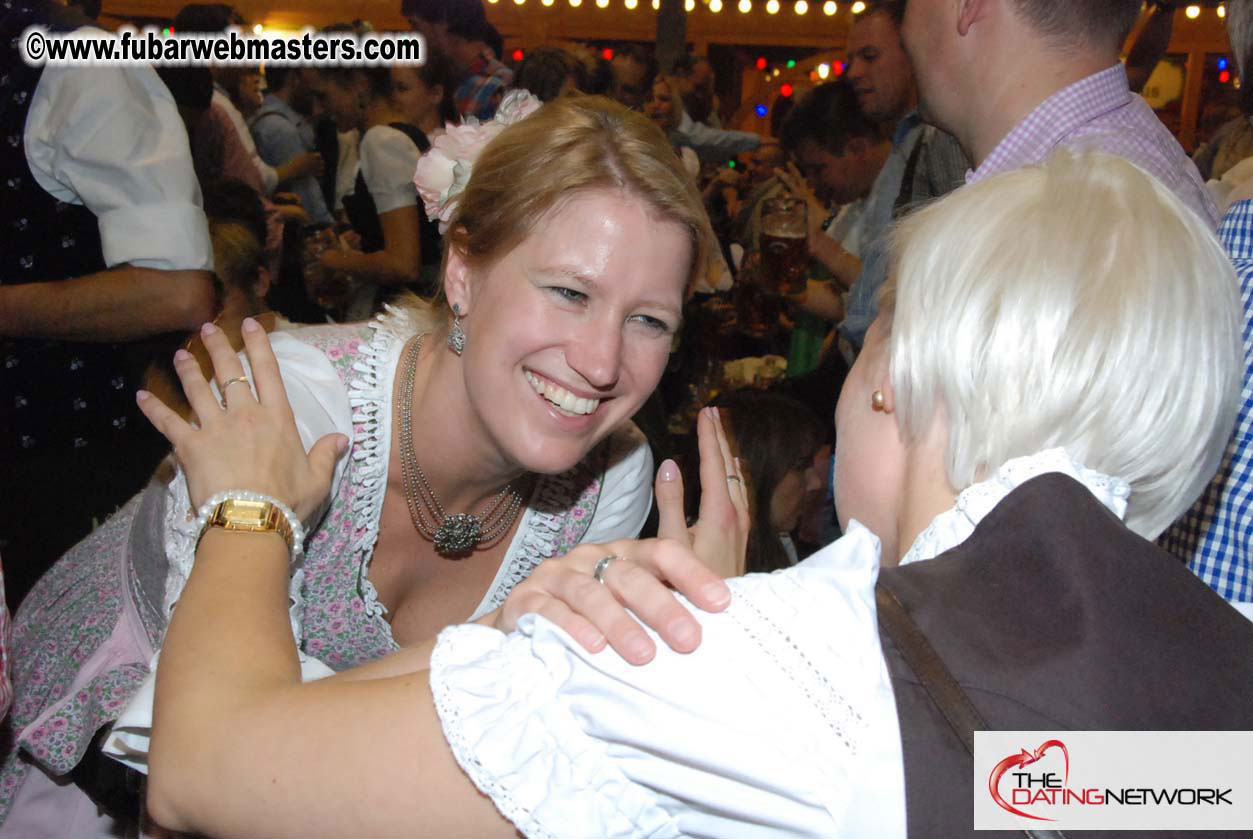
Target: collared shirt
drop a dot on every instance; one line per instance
(1101, 113)
(938, 169)
(1215, 537)
(280, 134)
(481, 91)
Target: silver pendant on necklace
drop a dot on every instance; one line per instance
(458, 534)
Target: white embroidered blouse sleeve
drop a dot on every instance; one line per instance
(782, 723)
(626, 493)
(388, 161)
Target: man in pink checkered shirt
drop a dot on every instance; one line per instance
(1014, 80)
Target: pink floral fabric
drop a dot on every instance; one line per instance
(85, 634)
(68, 680)
(6, 686)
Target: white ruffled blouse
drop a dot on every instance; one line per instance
(782, 722)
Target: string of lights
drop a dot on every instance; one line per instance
(829, 8)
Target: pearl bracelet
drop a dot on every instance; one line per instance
(207, 509)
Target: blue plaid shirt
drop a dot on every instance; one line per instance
(485, 84)
(1215, 537)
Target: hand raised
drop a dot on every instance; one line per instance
(720, 535)
(243, 441)
(799, 186)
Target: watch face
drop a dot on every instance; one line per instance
(251, 515)
(245, 515)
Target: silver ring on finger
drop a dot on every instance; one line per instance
(228, 383)
(735, 478)
(602, 565)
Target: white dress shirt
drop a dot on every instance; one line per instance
(110, 138)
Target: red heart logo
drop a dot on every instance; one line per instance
(1024, 758)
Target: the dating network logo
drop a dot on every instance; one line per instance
(1022, 794)
(1113, 780)
(1041, 788)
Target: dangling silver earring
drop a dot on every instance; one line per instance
(456, 336)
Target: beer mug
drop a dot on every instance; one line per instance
(784, 245)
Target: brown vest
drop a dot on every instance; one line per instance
(1054, 616)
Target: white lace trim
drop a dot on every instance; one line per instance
(180, 540)
(955, 525)
(182, 532)
(464, 749)
(537, 536)
(509, 703)
(370, 398)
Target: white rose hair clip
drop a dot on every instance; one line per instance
(444, 170)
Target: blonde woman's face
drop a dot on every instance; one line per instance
(570, 331)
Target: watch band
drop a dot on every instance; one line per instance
(251, 517)
(252, 512)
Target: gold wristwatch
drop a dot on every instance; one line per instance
(251, 517)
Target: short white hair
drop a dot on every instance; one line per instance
(1240, 33)
(1077, 304)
